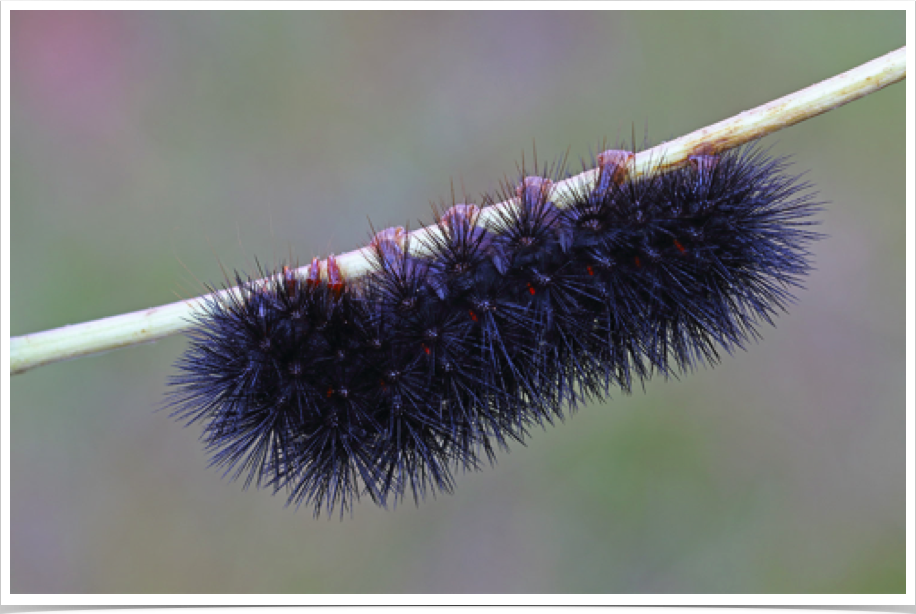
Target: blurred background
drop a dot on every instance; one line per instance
(152, 150)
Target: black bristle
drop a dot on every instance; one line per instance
(332, 390)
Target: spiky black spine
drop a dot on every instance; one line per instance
(384, 387)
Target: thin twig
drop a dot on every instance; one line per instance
(29, 351)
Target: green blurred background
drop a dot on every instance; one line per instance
(149, 149)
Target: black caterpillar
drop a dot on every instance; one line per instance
(331, 388)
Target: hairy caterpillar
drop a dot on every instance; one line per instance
(332, 388)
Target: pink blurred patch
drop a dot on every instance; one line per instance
(70, 66)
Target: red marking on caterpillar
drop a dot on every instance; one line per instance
(335, 277)
(613, 167)
(322, 386)
(290, 279)
(314, 277)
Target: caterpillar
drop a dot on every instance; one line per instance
(332, 389)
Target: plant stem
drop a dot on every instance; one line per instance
(29, 351)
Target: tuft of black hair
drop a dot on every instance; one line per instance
(331, 390)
